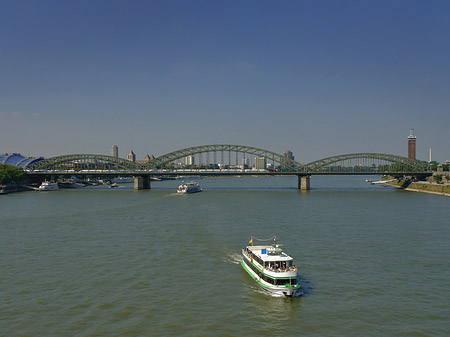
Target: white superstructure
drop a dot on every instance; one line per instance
(191, 187)
(48, 186)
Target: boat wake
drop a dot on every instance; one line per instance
(233, 258)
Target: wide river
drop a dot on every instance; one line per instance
(374, 261)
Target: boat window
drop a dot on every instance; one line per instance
(283, 281)
(269, 279)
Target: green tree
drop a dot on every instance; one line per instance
(438, 178)
(11, 174)
(434, 165)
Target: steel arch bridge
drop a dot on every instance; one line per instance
(367, 162)
(232, 157)
(82, 161)
(230, 154)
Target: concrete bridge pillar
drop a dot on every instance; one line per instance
(304, 183)
(142, 183)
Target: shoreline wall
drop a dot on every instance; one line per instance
(424, 187)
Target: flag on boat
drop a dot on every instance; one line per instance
(250, 242)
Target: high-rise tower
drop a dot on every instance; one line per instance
(114, 151)
(411, 144)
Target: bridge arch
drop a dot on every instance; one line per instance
(235, 155)
(367, 162)
(82, 161)
(238, 151)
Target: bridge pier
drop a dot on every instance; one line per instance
(304, 183)
(142, 183)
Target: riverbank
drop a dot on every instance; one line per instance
(422, 186)
(15, 188)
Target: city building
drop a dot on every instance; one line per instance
(115, 151)
(260, 163)
(16, 159)
(131, 156)
(287, 160)
(289, 155)
(411, 144)
(189, 160)
(148, 159)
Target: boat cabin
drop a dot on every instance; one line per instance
(271, 258)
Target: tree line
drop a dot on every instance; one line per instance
(11, 175)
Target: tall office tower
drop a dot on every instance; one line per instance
(245, 163)
(131, 156)
(114, 151)
(189, 160)
(287, 160)
(411, 144)
(288, 154)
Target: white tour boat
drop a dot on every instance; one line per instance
(271, 268)
(191, 187)
(48, 186)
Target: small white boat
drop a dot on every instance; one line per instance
(191, 187)
(48, 186)
(271, 268)
(124, 180)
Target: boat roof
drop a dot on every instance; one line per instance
(270, 253)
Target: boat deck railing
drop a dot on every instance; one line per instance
(274, 268)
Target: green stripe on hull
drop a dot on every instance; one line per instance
(259, 282)
(253, 276)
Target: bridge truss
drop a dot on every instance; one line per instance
(230, 156)
(219, 158)
(367, 162)
(79, 162)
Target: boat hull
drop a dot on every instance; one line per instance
(279, 290)
(48, 187)
(187, 192)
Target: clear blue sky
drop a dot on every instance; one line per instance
(320, 78)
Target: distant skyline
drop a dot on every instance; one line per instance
(319, 78)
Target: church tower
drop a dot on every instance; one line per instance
(131, 156)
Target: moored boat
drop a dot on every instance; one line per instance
(191, 187)
(271, 268)
(48, 186)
